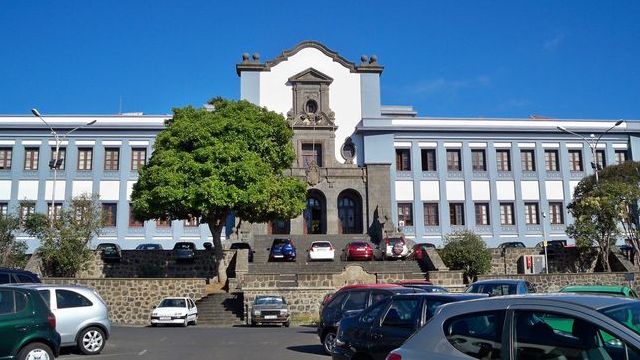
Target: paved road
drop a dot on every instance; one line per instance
(201, 342)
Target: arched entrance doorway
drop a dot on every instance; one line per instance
(315, 215)
(350, 212)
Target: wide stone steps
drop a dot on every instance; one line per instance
(221, 309)
(403, 266)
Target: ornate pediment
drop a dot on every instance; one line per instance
(310, 75)
(310, 100)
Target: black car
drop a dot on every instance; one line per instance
(512, 245)
(15, 276)
(349, 301)
(387, 324)
(243, 245)
(110, 252)
(185, 251)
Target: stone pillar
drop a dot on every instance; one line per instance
(378, 200)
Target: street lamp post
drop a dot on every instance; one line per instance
(56, 162)
(592, 142)
(544, 242)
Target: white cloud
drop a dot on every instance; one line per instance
(553, 43)
(442, 85)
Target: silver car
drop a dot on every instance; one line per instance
(551, 326)
(82, 318)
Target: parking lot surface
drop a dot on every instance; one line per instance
(209, 343)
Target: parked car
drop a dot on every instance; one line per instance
(16, 276)
(243, 245)
(185, 251)
(27, 325)
(175, 311)
(395, 248)
(358, 250)
(110, 252)
(621, 291)
(321, 250)
(499, 287)
(420, 251)
(270, 309)
(550, 326)
(423, 285)
(149, 246)
(350, 300)
(553, 246)
(385, 325)
(282, 250)
(82, 315)
(511, 245)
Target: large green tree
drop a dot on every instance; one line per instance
(605, 210)
(209, 163)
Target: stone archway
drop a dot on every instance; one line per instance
(350, 212)
(315, 215)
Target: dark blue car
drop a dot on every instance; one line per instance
(282, 250)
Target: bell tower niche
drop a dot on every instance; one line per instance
(311, 101)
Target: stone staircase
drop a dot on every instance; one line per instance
(221, 309)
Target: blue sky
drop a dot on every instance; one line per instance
(565, 59)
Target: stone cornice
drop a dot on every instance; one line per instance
(368, 65)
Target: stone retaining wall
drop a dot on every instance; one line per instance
(555, 282)
(505, 261)
(151, 264)
(130, 301)
(305, 292)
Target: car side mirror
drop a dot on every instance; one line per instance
(268, 249)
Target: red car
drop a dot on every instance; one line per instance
(358, 250)
(420, 251)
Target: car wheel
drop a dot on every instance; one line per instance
(329, 342)
(185, 323)
(36, 351)
(286, 324)
(91, 341)
(195, 321)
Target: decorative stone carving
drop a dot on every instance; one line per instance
(313, 175)
(311, 100)
(348, 151)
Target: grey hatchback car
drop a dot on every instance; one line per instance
(82, 318)
(544, 326)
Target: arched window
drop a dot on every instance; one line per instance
(315, 213)
(350, 212)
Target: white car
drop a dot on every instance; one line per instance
(395, 248)
(175, 311)
(321, 250)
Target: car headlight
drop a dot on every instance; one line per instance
(283, 311)
(154, 314)
(178, 314)
(256, 312)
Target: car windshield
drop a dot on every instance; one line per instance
(173, 303)
(184, 246)
(627, 315)
(493, 289)
(321, 245)
(396, 240)
(269, 301)
(280, 241)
